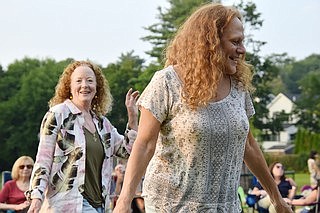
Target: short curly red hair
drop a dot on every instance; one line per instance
(101, 105)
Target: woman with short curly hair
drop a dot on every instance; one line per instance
(74, 163)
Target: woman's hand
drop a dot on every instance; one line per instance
(132, 108)
(35, 206)
(22, 206)
(263, 193)
(122, 207)
(120, 170)
(282, 206)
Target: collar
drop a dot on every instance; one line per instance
(74, 109)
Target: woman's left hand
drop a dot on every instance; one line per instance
(132, 108)
(282, 206)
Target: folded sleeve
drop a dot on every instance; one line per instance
(155, 97)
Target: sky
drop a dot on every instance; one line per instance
(102, 30)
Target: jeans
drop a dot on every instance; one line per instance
(87, 208)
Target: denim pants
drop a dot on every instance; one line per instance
(87, 208)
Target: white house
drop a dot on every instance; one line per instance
(281, 142)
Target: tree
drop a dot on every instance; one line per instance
(308, 104)
(10, 81)
(296, 70)
(170, 20)
(122, 76)
(266, 72)
(22, 112)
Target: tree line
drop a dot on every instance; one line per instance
(27, 85)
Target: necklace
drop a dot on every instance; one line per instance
(95, 136)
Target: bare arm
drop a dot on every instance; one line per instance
(255, 161)
(256, 191)
(305, 201)
(292, 191)
(119, 182)
(142, 152)
(16, 207)
(132, 109)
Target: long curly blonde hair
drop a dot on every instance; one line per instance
(102, 102)
(197, 50)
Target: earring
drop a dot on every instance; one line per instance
(71, 97)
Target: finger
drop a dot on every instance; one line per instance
(129, 92)
(135, 93)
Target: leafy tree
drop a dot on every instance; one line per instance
(10, 81)
(296, 70)
(306, 141)
(146, 75)
(1, 71)
(266, 72)
(122, 76)
(308, 104)
(22, 112)
(170, 20)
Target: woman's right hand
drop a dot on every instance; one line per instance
(35, 206)
(22, 206)
(122, 207)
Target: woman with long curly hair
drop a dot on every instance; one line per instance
(194, 130)
(74, 163)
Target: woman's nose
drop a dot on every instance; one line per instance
(84, 83)
(241, 49)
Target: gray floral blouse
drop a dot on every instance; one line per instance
(199, 154)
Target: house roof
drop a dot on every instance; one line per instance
(288, 148)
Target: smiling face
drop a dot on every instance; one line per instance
(232, 44)
(83, 86)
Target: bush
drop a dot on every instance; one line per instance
(293, 162)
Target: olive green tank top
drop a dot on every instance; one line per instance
(94, 159)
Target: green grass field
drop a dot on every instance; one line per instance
(301, 179)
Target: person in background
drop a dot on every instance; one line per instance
(194, 129)
(308, 202)
(119, 172)
(12, 197)
(313, 168)
(78, 143)
(138, 202)
(287, 187)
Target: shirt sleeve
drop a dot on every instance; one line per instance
(155, 97)
(122, 143)
(258, 185)
(42, 167)
(4, 193)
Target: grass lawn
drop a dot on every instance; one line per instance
(301, 179)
